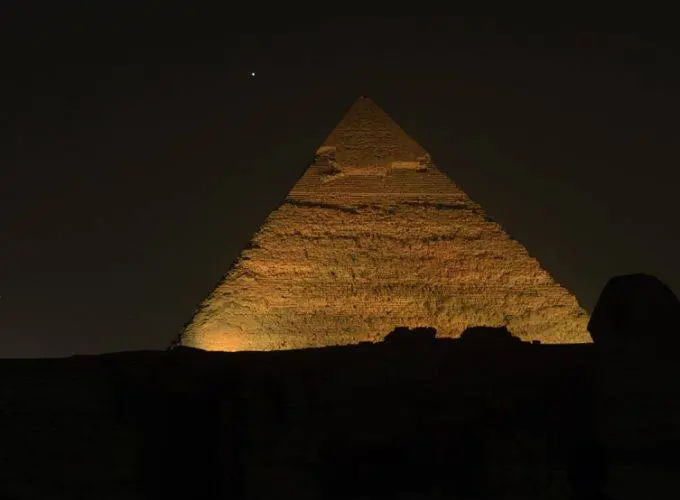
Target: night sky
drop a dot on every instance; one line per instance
(138, 154)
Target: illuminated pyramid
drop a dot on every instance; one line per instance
(371, 237)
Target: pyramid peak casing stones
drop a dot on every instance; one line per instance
(371, 237)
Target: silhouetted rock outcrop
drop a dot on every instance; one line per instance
(403, 335)
(635, 306)
(489, 336)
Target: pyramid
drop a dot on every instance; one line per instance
(374, 236)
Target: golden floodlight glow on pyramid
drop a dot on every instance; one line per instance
(375, 236)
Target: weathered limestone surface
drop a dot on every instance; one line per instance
(371, 237)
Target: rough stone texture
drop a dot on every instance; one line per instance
(371, 237)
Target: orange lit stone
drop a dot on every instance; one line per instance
(371, 237)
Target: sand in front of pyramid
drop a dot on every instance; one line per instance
(371, 237)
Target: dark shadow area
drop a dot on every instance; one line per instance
(449, 462)
(181, 432)
(185, 428)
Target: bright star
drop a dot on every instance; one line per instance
(252, 73)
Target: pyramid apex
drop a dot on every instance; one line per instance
(367, 136)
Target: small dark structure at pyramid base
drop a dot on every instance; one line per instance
(483, 416)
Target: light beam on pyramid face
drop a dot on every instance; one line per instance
(231, 340)
(373, 236)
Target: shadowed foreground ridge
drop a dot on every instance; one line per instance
(374, 235)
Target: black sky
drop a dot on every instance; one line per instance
(138, 155)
